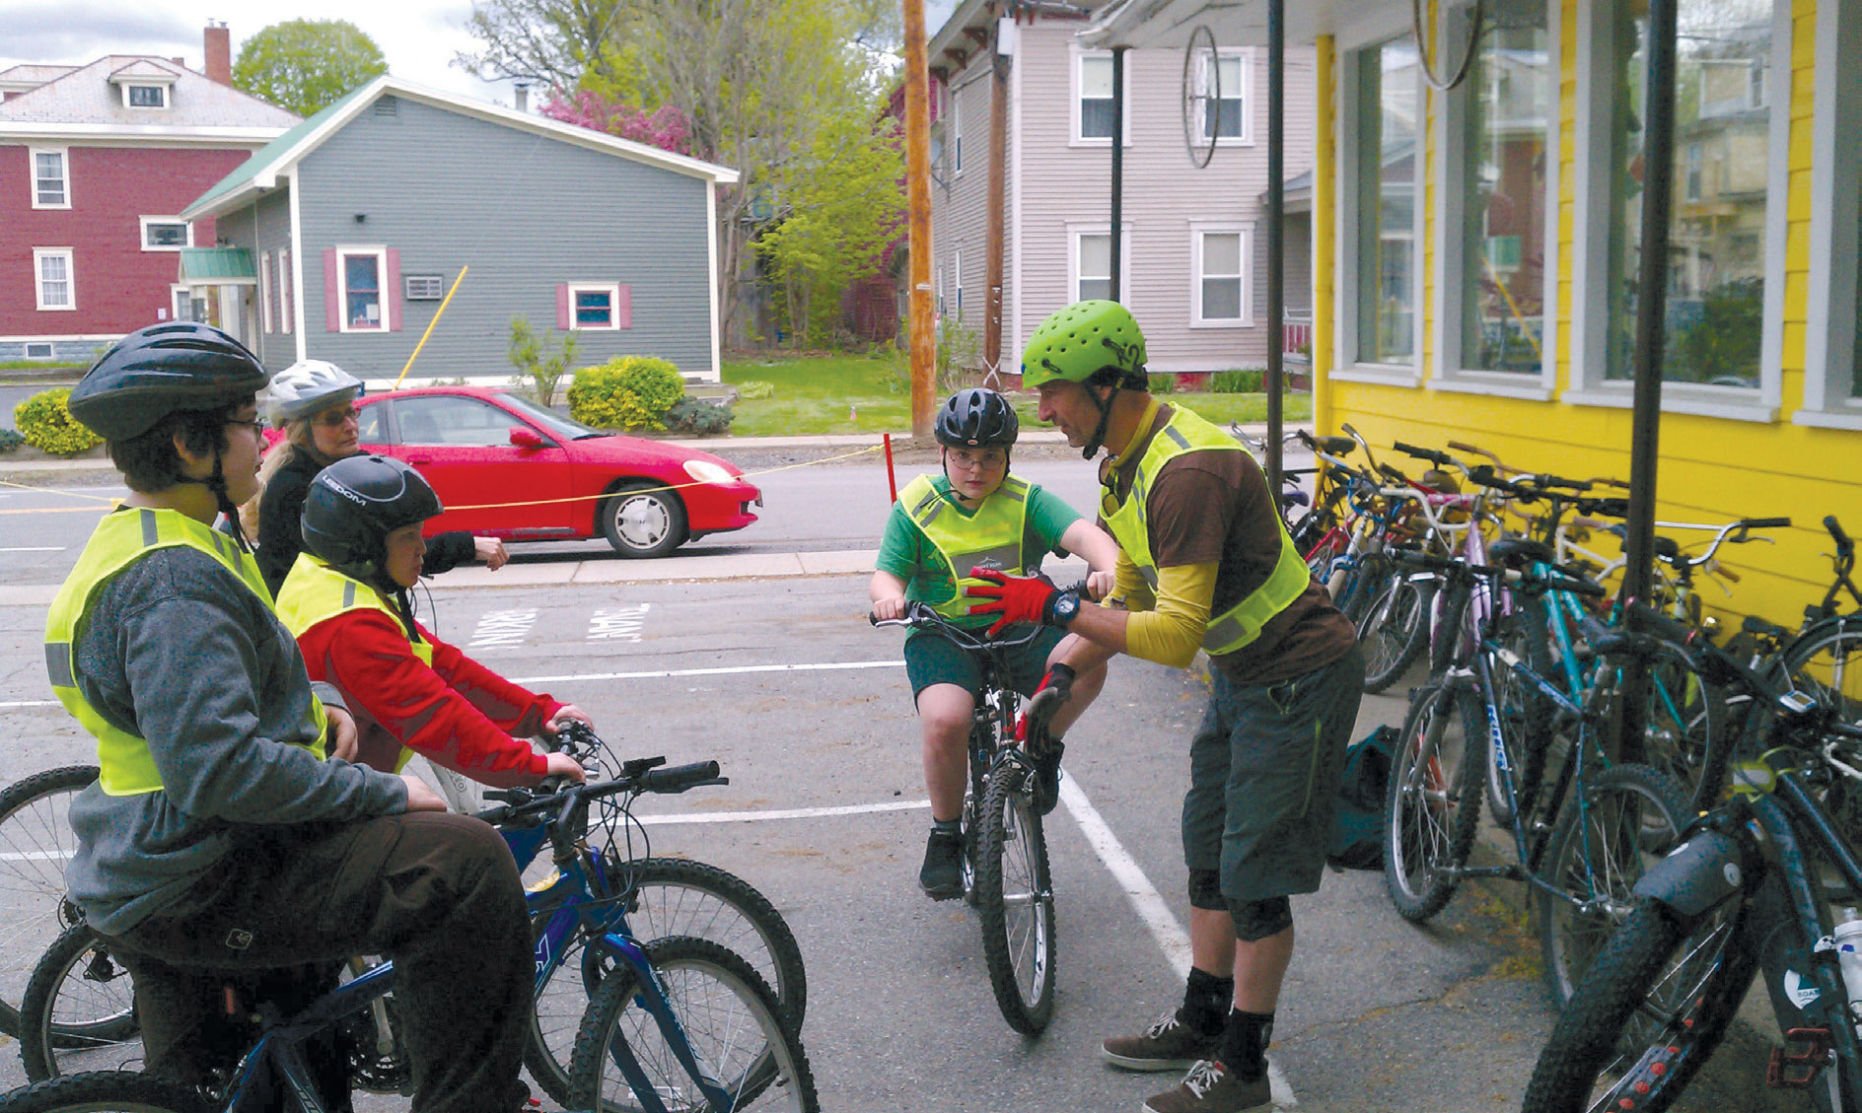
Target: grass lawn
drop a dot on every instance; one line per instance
(860, 394)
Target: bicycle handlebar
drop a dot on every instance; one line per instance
(1845, 547)
(921, 616)
(1555, 577)
(1439, 459)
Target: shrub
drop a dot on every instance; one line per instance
(539, 360)
(1241, 381)
(694, 415)
(47, 425)
(754, 389)
(628, 392)
(1162, 382)
(10, 440)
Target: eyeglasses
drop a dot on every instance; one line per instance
(336, 418)
(978, 461)
(256, 424)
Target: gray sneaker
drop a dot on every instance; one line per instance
(1168, 1044)
(1210, 1088)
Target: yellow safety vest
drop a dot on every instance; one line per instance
(1241, 623)
(990, 538)
(314, 591)
(127, 768)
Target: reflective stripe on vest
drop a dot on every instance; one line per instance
(1241, 623)
(990, 538)
(314, 591)
(126, 768)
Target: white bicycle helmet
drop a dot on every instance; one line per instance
(306, 387)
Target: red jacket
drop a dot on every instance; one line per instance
(458, 713)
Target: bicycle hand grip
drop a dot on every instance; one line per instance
(1767, 523)
(1338, 446)
(1844, 545)
(1429, 454)
(1645, 619)
(678, 778)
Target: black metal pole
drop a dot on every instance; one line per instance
(1118, 163)
(1276, 249)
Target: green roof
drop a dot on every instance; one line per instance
(207, 264)
(243, 174)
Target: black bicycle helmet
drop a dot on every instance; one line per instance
(976, 417)
(352, 507)
(164, 369)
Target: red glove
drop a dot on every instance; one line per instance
(1060, 680)
(1015, 598)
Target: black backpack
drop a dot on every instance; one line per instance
(1357, 841)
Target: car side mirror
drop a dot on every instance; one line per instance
(527, 438)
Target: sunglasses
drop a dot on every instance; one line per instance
(336, 418)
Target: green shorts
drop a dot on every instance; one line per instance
(933, 659)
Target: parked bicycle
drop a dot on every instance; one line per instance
(35, 843)
(1005, 870)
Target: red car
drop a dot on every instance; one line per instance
(507, 467)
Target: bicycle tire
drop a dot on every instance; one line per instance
(672, 897)
(78, 1014)
(700, 978)
(1686, 728)
(1446, 622)
(1648, 1014)
(1393, 630)
(1825, 661)
(1361, 584)
(1016, 902)
(35, 843)
(1614, 827)
(1525, 713)
(1433, 803)
(96, 1091)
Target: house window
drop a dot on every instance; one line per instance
(956, 268)
(1227, 118)
(594, 306)
(287, 309)
(1694, 162)
(1499, 131)
(51, 179)
(1388, 101)
(55, 285)
(1093, 79)
(956, 134)
(38, 350)
(265, 292)
(940, 290)
(146, 96)
(165, 233)
(1715, 315)
(1222, 287)
(361, 272)
(1091, 263)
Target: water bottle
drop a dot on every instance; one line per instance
(1848, 939)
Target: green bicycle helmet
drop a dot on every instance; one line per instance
(1078, 343)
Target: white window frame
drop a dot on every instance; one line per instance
(51, 349)
(940, 291)
(39, 255)
(612, 289)
(265, 291)
(1451, 114)
(177, 293)
(1199, 229)
(1588, 361)
(1835, 172)
(956, 134)
(343, 252)
(32, 176)
(1103, 228)
(1371, 34)
(1075, 139)
(163, 86)
(286, 311)
(1246, 138)
(956, 268)
(143, 223)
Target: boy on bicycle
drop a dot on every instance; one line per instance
(219, 838)
(943, 529)
(346, 601)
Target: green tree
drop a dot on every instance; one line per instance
(303, 65)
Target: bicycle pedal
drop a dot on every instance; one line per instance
(1795, 1065)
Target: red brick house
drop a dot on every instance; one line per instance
(96, 163)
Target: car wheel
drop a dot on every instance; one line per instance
(643, 520)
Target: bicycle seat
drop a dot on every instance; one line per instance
(1517, 552)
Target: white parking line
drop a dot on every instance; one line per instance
(1143, 895)
(721, 670)
(28, 703)
(33, 549)
(791, 813)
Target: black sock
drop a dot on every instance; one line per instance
(1206, 1001)
(948, 826)
(1244, 1045)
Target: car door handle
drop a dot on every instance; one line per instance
(420, 459)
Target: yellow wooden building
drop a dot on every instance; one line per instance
(1475, 247)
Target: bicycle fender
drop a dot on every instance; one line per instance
(1705, 871)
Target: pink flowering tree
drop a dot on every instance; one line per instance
(665, 128)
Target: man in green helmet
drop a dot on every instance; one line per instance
(1206, 564)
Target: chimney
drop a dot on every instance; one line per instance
(218, 43)
(521, 97)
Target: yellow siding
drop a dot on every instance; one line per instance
(1324, 224)
(1711, 469)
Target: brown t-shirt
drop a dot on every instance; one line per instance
(1214, 507)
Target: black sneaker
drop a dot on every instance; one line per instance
(1047, 778)
(941, 877)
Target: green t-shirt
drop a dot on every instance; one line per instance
(907, 553)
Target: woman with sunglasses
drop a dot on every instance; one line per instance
(314, 402)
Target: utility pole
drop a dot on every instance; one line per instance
(918, 204)
(1003, 58)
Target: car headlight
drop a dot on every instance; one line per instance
(707, 472)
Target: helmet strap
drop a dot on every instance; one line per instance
(1098, 440)
(223, 503)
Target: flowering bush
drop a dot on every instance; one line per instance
(666, 128)
(630, 392)
(47, 425)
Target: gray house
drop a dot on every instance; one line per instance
(403, 218)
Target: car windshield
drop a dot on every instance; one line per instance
(556, 423)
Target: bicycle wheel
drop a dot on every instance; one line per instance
(1825, 661)
(1016, 898)
(35, 843)
(1620, 822)
(1686, 732)
(1646, 1016)
(1358, 585)
(671, 897)
(79, 1011)
(1394, 629)
(120, 1091)
(1433, 803)
(732, 1024)
(1525, 713)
